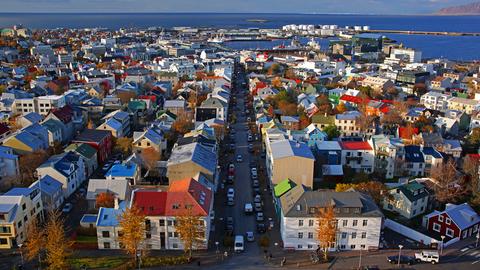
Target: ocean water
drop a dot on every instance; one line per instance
(459, 48)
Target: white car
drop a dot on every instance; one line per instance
(239, 158)
(230, 193)
(67, 208)
(427, 256)
(254, 171)
(248, 208)
(260, 217)
(250, 236)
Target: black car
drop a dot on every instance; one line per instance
(261, 228)
(403, 259)
(229, 224)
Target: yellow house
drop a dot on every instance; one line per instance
(186, 161)
(17, 207)
(24, 143)
(292, 160)
(463, 104)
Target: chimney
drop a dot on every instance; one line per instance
(115, 202)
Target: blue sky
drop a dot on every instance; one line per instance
(234, 6)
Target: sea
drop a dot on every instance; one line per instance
(465, 48)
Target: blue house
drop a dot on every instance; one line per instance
(314, 135)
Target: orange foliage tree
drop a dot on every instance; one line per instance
(105, 199)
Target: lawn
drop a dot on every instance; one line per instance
(97, 262)
(86, 239)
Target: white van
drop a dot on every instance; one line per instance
(239, 243)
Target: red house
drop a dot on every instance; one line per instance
(456, 221)
(99, 139)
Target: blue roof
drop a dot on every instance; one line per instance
(413, 154)
(153, 136)
(33, 117)
(89, 218)
(109, 217)
(19, 192)
(113, 123)
(431, 152)
(288, 148)
(29, 140)
(121, 170)
(47, 184)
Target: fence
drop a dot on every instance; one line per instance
(410, 233)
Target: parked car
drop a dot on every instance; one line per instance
(403, 259)
(261, 228)
(259, 217)
(253, 171)
(239, 243)
(257, 199)
(427, 256)
(250, 148)
(229, 224)
(258, 207)
(255, 184)
(250, 236)
(67, 208)
(249, 138)
(230, 201)
(248, 208)
(239, 158)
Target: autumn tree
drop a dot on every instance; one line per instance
(470, 167)
(341, 108)
(290, 73)
(324, 105)
(287, 108)
(183, 124)
(274, 69)
(447, 187)
(29, 163)
(35, 240)
(327, 229)
(331, 131)
(191, 230)
(105, 199)
(474, 137)
(150, 157)
(364, 121)
(124, 145)
(132, 236)
(58, 246)
(126, 96)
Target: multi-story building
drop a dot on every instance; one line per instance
(463, 104)
(9, 165)
(41, 105)
(359, 220)
(435, 101)
(359, 156)
(388, 151)
(409, 200)
(17, 207)
(346, 123)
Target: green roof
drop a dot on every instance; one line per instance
(283, 187)
(82, 149)
(52, 125)
(137, 105)
(322, 119)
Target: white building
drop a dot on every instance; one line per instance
(358, 156)
(409, 200)
(435, 101)
(358, 217)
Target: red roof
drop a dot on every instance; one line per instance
(355, 145)
(151, 98)
(182, 195)
(64, 114)
(384, 108)
(152, 203)
(402, 132)
(350, 98)
(474, 156)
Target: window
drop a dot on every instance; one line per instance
(344, 235)
(354, 235)
(299, 246)
(440, 218)
(174, 245)
(300, 223)
(364, 235)
(3, 241)
(24, 206)
(309, 246)
(148, 235)
(106, 245)
(105, 234)
(449, 232)
(300, 235)
(162, 222)
(310, 235)
(448, 221)
(345, 222)
(362, 246)
(365, 221)
(436, 227)
(175, 234)
(355, 222)
(19, 224)
(169, 222)
(170, 234)
(352, 246)
(311, 222)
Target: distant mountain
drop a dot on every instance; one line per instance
(468, 9)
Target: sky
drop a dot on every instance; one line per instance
(232, 6)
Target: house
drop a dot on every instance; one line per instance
(25, 142)
(433, 159)
(267, 92)
(218, 108)
(409, 200)
(347, 124)
(327, 159)
(166, 116)
(435, 101)
(51, 191)
(322, 121)
(186, 161)
(388, 152)
(456, 221)
(176, 106)
(161, 208)
(29, 119)
(290, 122)
(101, 140)
(440, 83)
(463, 104)
(67, 168)
(120, 188)
(152, 137)
(414, 162)
(359, 220)
(129, 172)
(17, 207)
(66, 116)
(9, 165)
(313, 135)
(54, 129)
(358, 156)
(447, 125)
(88, 154)
(292, 160)
(378, 84)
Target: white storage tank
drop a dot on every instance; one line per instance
(366, 28)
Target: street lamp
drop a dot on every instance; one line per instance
(399, 254)
(441, 247)
(216, 244)
(139, 257)
(21, 252)
(478, 236)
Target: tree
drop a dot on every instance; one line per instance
(364, 121)
(35, 240)
(287, 108)
(331, 131)
(29, 163)
(324, 105)
(124, 145)
(327, 229)
(132, 236)
(470, 167)
(150, 157)
(375, 189)
(182, 125)
(447, 187)
(341, 108)
(105, 199)
(57, 246)
(273, 69)
(191, 230)
(55, 149)
(126, 96)
(290, 73)
(474, 137)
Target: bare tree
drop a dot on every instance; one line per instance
(447, 188)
